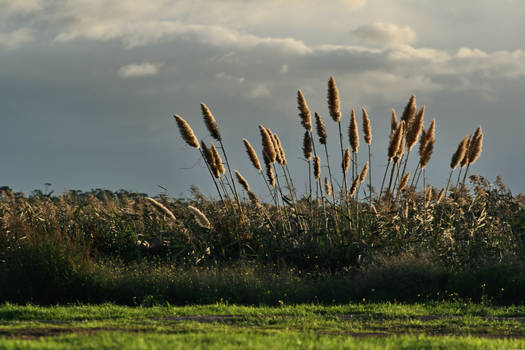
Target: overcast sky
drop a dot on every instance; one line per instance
(88, 87)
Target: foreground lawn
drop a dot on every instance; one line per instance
(354, 326)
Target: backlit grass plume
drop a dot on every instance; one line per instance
(187, 132)
(200, 218)
(304, 111)
(252, 155)
(161, 208)
(334, 105)
(210, 122)
(321, 129)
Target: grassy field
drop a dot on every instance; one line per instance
(353, 326)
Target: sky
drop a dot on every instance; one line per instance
(88, 88)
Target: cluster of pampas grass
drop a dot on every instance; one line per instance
(398, 192)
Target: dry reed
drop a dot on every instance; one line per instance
(304, 111)
(353, 133)
(162, 208)
(200, 218)
(307, 146)
(328, 188)
(210, 122)
(367, 129)
(252, 155)
(334, 105)
(267, 143)
(317, 167)
(364, 171)
(187, 132)
(346, 160)
(321, 129)
(242, 181)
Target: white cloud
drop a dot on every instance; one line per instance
(16, 38)
(284, 69)
(385, 34)
(224, 76)
(10, 7)
(138, 70)
(259, 91)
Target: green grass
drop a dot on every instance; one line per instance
(352, 326)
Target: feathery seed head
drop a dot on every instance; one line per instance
(242, 181)
(267, 143)
(210, 122)
(307, 145)
(353, 133)
(440, 195)
(304, 111)
(217, 160)
(362, 175)
(346, 160)
(415, 128)
(410, 111)
(327, 187)
(321, 129)
(161, 207)
(200, 218)
(395, 142)
(207, 154)
(354, 186)
(464, 161)
(404, 182)
(367, 129)
(457, 157)
(252, 154)
(270, 174)
(393, 123)
(476, 146)
(317, 167)
(333, 100)
(186, 132)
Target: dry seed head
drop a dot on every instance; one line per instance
(404, 182)
(415, 129)
(457, 157)
(327, 187)
(393, 123)
(307, 145)
(270, 174)
(367, 129)
(346, 160)
(210, 122)
(395, 142)
(321, 129)
(440, 195)
(217, 160)
(353, 133)
(304, 111)
(187, 132)
(410, 111)
(464, 161)
(253, 197)
(200, 218)
(317, 167)
(267, 143)
(476, 146)
(207, 155)
(429, 147)
(161, 207)
(278, 154)
(334, 105)
(428, 195)
(280, 148)
(374, 210)
(252, 154)
(401, 149)
(354, 186)
(242, 181)
(362, 175)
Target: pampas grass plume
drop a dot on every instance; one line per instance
(304, 111)
(187, 132)
(252, 154)
(317, 167)
(210, 122)
(334, 105)
(364, 172)
(307, 146)
(321, 129)
(161, 207)
(353, 133)
(200, 218)
(458, 156)
(367, 129)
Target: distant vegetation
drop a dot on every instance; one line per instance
(343, 239)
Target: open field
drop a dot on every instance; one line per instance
(353, 326)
